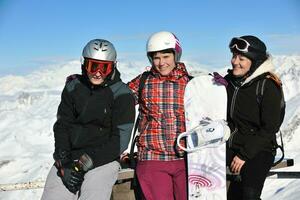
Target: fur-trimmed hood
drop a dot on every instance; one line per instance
(266, 66)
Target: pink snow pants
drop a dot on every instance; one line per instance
(162, 180)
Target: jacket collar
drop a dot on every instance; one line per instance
(111, 79)
(266, 66)
(176, 73)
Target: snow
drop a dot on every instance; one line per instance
(28, 106)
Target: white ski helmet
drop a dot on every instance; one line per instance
(161, 41)
(99, 49)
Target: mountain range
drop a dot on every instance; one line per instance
(28, 106)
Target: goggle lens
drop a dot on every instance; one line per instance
(240, 44)
(94, 66)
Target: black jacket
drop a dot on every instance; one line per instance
(96, 120)
(253, 125)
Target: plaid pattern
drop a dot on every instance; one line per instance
(161, 113)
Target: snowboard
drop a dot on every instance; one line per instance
(205, 105)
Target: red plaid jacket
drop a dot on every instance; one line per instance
(161, 113)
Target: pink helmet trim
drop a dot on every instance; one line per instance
(178, 48)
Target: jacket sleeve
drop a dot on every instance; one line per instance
(270, 121)
(123, 116)
(134, 87)
(65, 117)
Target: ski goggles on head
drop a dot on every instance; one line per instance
(93, 66)
(239, 44)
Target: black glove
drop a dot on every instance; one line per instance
(72, 172)
(62, 158)
(72, 177)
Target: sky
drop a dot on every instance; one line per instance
(35, 34)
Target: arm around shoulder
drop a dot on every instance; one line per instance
(124, 115)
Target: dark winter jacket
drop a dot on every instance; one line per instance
(253, 125)
(96, 120)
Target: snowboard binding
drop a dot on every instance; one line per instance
(208, 134)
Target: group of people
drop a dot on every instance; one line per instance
(97, 112)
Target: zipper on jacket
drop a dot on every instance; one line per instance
(232, 105)
(230, 140)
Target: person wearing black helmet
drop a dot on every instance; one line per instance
(253, 124)
(94, 122)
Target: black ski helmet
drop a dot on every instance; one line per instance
(253, 48)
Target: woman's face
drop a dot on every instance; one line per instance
(240, 65)
(95, 79)
(164, 62)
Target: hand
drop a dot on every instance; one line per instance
(72, 172)
(236, 164)
(62, 158)
(71, 177)
(219, 79)
(124, 157)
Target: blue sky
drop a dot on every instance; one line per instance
(35, 33)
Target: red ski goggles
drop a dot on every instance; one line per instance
(93, 66)
(240, 44)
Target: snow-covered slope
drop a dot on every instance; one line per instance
(288, 67)
(28, 107)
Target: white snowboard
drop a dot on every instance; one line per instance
(204, 100)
